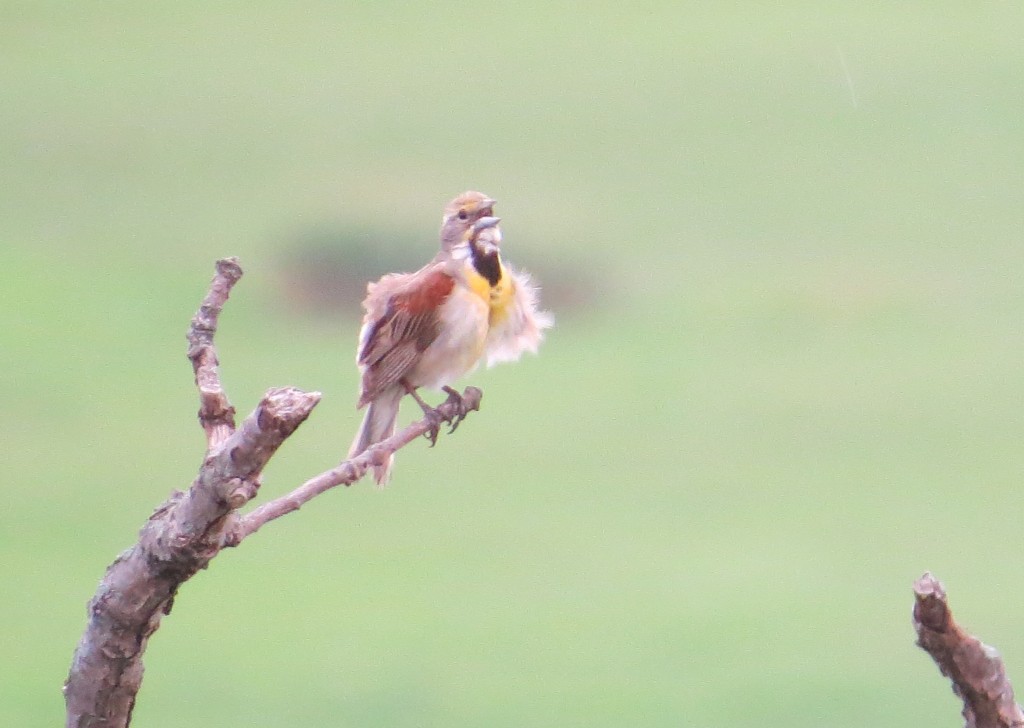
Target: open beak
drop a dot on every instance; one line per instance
(485, 222)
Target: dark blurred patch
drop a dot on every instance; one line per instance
(324, 272)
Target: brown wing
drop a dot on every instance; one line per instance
(403, 321)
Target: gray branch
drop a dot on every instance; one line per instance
(347, 472)
(189, 529)
(975, 669)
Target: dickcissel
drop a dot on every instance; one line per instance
(428, 328)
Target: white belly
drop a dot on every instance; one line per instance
(460, 345)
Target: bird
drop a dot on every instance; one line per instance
(433, 326)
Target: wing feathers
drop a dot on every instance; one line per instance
(401, 321)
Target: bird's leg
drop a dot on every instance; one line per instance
(411, 390)
(432, 416)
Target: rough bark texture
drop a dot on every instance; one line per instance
(216, 414)
(179, 539)
(974, 668)
(189, 529)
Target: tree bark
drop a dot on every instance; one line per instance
(975, 669)
(190, 528)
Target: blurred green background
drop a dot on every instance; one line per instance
(783, 245)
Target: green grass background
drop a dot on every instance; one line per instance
(794, 386)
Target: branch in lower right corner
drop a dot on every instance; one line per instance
(975, 669)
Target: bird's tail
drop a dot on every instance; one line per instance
(378, 424)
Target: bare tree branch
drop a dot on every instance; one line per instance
(189, 529)
(347, 472)
(975, 669)
(216, 414)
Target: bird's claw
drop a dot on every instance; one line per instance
(459, 415)
(435, 418)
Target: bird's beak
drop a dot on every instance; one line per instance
(485, 222)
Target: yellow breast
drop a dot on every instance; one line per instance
(497, 297)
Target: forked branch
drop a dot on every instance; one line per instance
(190, 528)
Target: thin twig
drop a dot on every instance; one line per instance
(216, 414)
(975, 669)
(347, 472)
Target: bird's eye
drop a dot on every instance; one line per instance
(463, 215)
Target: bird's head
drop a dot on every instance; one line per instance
(466, 218)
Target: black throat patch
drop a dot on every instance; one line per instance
(487, 264)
